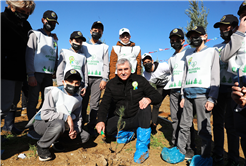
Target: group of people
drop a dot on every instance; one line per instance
(199, 80)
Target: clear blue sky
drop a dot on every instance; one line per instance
(149, 22)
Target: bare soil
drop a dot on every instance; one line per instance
(94, 152)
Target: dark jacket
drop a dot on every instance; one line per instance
(122, 93)
(13, 46)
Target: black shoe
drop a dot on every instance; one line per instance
(16, 131)
(57, 146)
(217, 160)
(189, 154)
(232, 163)
(43, 153)
(153, 129)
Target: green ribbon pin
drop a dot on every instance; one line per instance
(135, 85)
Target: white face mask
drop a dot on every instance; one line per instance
(125, 43)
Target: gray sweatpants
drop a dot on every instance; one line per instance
(92, 90)
(10, 95)
(223, 112)
(203, 122)
(176, 112)
(52, 130)
(43, 81)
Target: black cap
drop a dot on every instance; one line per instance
(228, 20)
(97, 23)
(74, 73)
(77, 35)
(177, 32)
(198, 29)
(50, 16)
(242, 7)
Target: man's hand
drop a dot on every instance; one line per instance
(144, 102)
(102, 85)
(239, 95)
(100, 127)
(182, 103)
(73, 134)
(83, 91)
(242, 25)
(209, 106)
(32, 81)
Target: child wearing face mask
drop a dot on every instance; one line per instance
(125, 49)
(223, 110)
(158, 74)
(200, 88)
(61, 111)
(73, 58)
(234, 53)
(96, 53)
(41, 62)
(176, 66)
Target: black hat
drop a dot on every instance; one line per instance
(72, 72)
(50, 16)
(228, 20)
(76, 35)
(97, 23)
(241, 8)
(198, 29)
(177, 32)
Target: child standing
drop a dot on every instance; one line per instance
(41, 61)
(73, 58)
(200, 87)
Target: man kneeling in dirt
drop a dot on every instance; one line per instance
(61, 111)
(134, 93)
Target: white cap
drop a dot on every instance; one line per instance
(123, 30)
(145, 55)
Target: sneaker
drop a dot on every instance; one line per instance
(57, 146)
(232, 163)
(189, 154)
(43, 153)
(32, 134)
(217, 160)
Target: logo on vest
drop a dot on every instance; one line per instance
(192, 64)
(71, 60)
(175, 66)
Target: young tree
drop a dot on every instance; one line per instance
(198, 16)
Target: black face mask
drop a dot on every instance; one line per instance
(226, 35)
(71, 89)
(96, 35)
(76, 46)
(196, 42)
(22, 17)
(148, 66)
(176, 45)
(49, 27)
